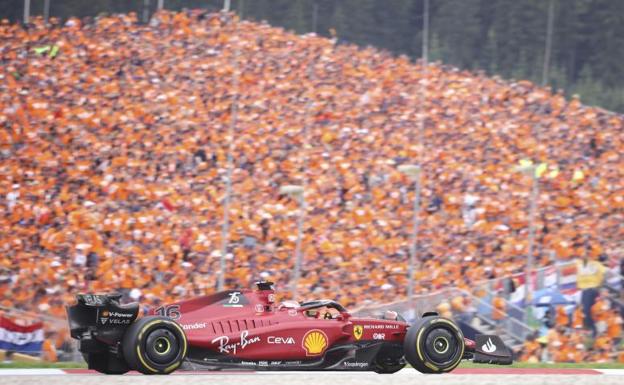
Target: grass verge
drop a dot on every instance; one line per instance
(36, 365)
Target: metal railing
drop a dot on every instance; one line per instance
(518, 323)
(513, 325)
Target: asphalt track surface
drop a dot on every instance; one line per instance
(406, 376)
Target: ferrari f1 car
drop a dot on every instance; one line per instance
(246, 329)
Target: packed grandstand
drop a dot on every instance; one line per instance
(114, 140)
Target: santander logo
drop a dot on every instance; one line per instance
(195, 326)
(489, 346)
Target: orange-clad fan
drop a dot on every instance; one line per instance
(114, 155)
(561, 317)
(577, 318)
(499, 308)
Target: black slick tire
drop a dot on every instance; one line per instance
(154, 345)
(434, 345)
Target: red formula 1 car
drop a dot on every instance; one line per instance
(246, 329)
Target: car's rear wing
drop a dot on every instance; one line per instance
(100, 317)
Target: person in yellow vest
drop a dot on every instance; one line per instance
(589, 277)
(589, 273)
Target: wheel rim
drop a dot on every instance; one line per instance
(441, 347)
(162, 346)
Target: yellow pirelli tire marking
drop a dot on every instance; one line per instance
(140, 342)
(143, 361)
(183, 338)
(420, 332)
(448, 322)
(140, 355)
(170, 368)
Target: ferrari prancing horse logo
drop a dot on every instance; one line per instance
(358, 330)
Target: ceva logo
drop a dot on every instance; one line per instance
(280, 340)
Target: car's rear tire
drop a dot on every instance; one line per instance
(105, 363)
(154, 345)
(434, 345)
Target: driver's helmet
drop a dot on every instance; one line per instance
(289, 304)
(391, 315)
(313, 313)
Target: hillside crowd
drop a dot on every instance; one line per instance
(114, 141)
(567, 339)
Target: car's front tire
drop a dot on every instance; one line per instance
(434, 345)
(154, 345)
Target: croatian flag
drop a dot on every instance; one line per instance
(18, 338)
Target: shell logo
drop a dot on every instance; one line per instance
(314, 342)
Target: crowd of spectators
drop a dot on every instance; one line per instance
(113, 155)
(567, 340)
(590, 330)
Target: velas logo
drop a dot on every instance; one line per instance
(116, 318)
(358, 330)
(314, 342)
